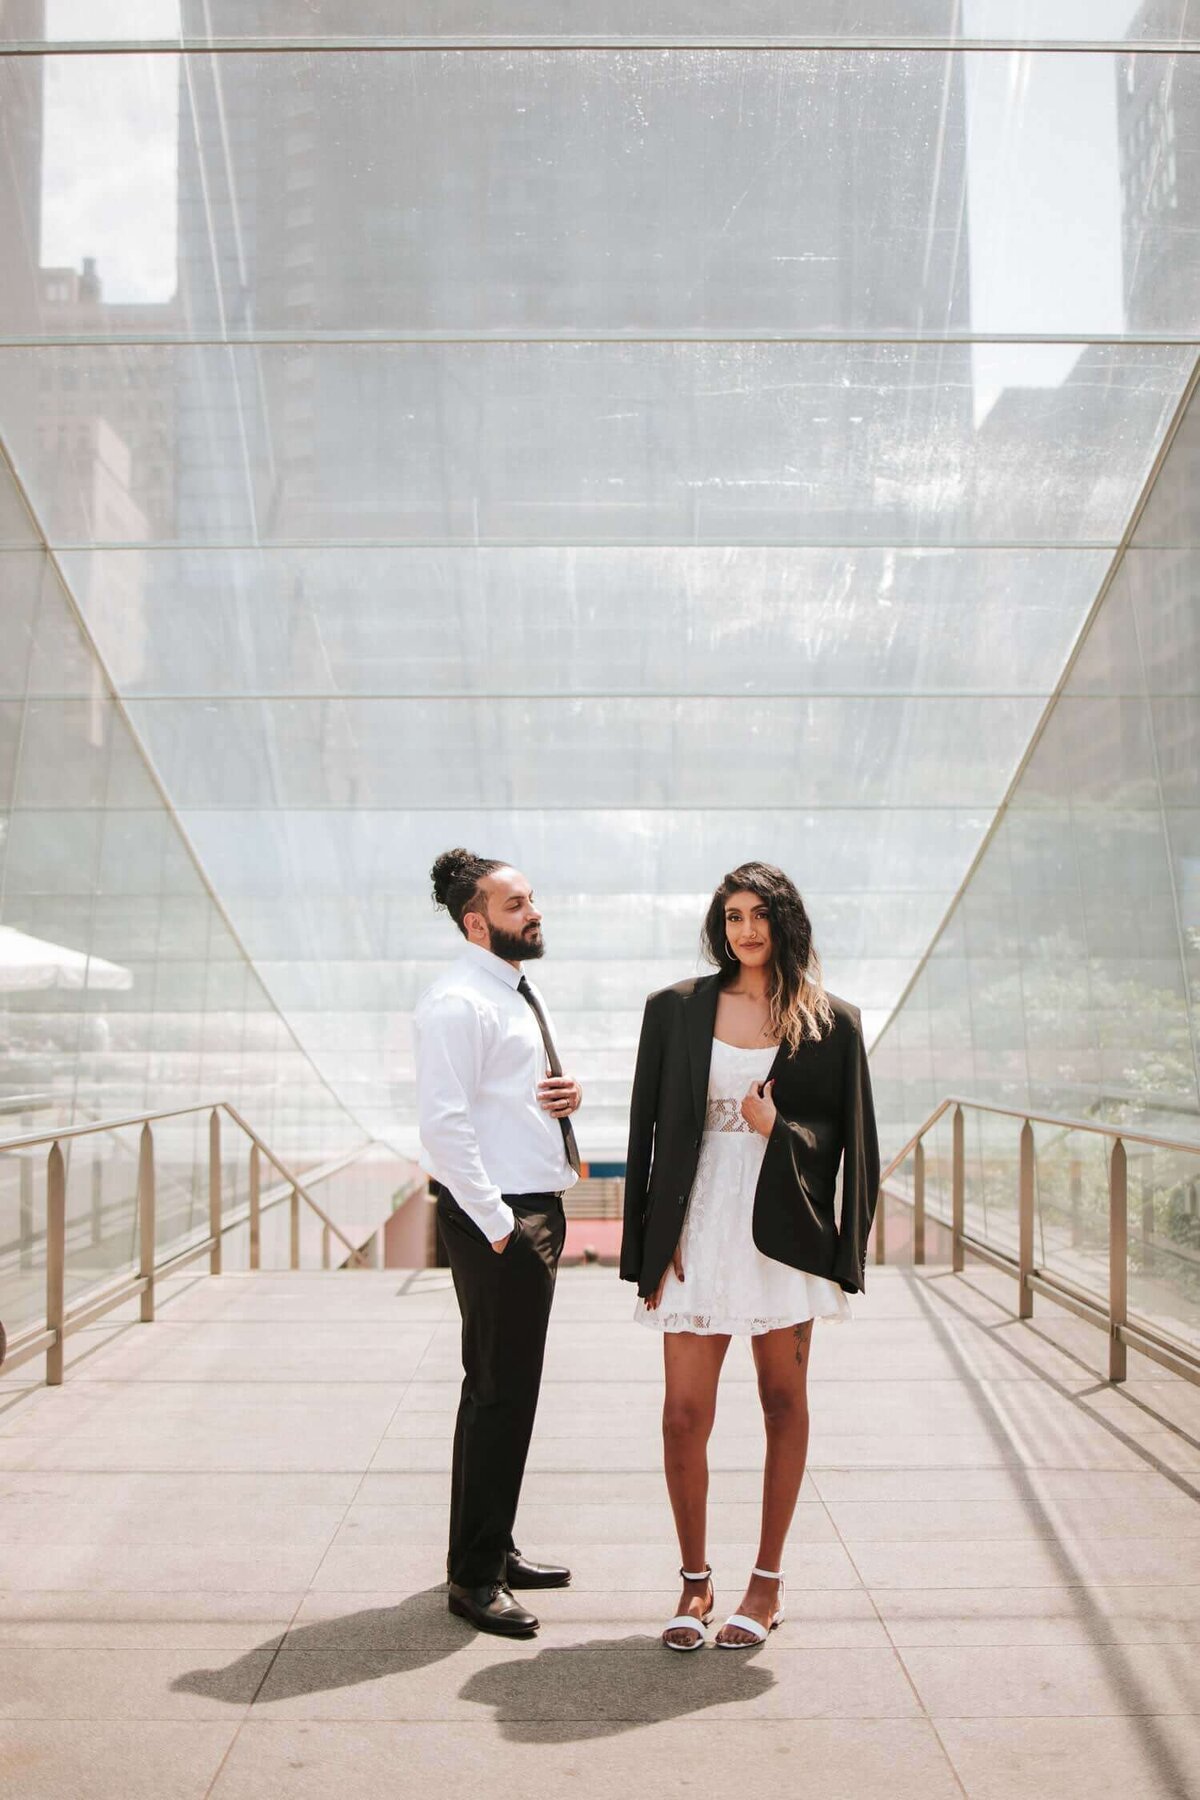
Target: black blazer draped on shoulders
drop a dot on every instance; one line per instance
(825, 1118)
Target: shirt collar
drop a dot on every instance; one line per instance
(495, 965)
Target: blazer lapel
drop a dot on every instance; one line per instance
(701, 1017)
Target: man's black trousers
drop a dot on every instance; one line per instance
(505, 1302)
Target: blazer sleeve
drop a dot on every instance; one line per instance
(860, 1168)
(643, 1109)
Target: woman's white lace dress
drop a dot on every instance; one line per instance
(728, 1285)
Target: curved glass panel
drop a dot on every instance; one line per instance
(623, 21)
(683, 194)
(587, 443)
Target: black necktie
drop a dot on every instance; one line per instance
(527, 993)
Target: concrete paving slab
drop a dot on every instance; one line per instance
(76, 1684)
(626, 1567)
(250, 1501)
(1154, 1758)
(898, 1759)
(70, 1760)
(839, 1618)
(1165, 1514)
(1096, 1486)
(1082, 1614)
(619, 1678)
(1028, 1562)
(99, 1619)
(1054, 1680)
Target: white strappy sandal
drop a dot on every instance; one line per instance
(689, 1621)
(759, 1633)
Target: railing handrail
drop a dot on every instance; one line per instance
(1110, 1313)
(31, 1140)
(1064, 1123)
(61, 1320)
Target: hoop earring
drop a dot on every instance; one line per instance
(728, 951)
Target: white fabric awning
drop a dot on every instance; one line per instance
(28, 963)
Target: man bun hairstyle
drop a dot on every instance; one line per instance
(456, 877)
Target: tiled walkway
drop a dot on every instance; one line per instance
(221, 1545)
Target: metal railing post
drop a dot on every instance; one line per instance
(958, 1187)
(1025, 1225)
(255, 1207)
(326, 1253)
(146, 1209)
(1118, 1258)
(294, 1231)
(919, 1202)
(214, 1191)
(56, 1258)
(881, 1227)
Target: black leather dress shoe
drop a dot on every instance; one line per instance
(525, 1574)
(492, 1608)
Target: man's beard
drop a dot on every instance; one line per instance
(516, 946)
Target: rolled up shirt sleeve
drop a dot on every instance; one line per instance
(448, 1041)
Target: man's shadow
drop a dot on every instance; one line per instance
(539, 1696)
(341, 1652)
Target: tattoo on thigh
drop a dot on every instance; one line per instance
(803, 1333)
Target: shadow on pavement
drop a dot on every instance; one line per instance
(592, 1689)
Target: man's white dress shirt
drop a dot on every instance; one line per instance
(480, 1057)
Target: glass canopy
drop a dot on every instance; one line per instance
(625, 454)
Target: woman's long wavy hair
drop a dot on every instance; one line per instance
(799, 1005)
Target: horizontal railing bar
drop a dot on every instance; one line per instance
(986, 1252)
(1172, 1354)
(181, 1258)
(1148, 1343)
(1014, 1112)
(33, 1341)
(181, 1112)
(27, 1103)
(292, 1181)
(124, 1124)
(129, 1289)
(1093, 1311)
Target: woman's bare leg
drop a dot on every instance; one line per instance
(692, 1366)
(781, 1358)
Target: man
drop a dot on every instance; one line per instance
(497, 1137)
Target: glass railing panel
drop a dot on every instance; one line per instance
(102, 1235)
(992, 1167)
(22, 1238)
(1071, 1232)
(939, 1168)
(1163, 1188)
(181, 1166)
(235, 1195)
(358, 1200)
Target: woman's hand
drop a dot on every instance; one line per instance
(656, 1296)
(758, 1109)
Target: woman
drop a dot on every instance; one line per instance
(751, 1087)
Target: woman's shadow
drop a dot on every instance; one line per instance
(595, 1688)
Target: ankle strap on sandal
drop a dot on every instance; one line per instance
(704, 1575)
(769, 1574)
